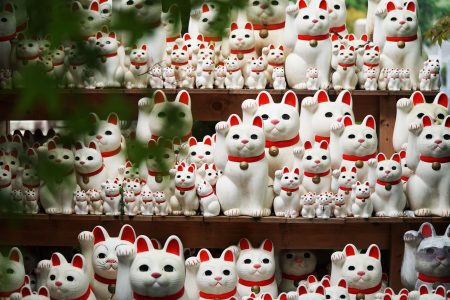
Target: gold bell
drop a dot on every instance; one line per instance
(436, 166)
(158, 178)
(289, 194)
(360, 297)
(347, 192)
(359, 164)
(401, 44)
(313, 43)
(112, 288)
(316, 179)
(345, 68)
(181, 193)
(243, 165)
(85, 180)
(256, 289)
(103, 59)
(263, 33)
(388, 187)
(273, 151)
(240, 56)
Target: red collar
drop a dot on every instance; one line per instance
(405, 178)
(356, 158)
(368, 291)
(247, 159)
(147, 201)
(154, 173)
(289, 190)
(183, 189)
(339, 204)
(243, 51)
(218, 296)
(172, 39)
(7, 294)
(109, 55)
(22, 26)
(313, 37)
(28, 57)
(104, 280)
(5, 186)
(269, 26)
(384, 183)
(92, 173)
(175, 296)
(296, 277)
(432, 159)
(179, 64)
(401, 38)
(183, 138)
(371, 65)
(432, 279)
(7, 37)
(85, 296)
(347, 65)
(283, 144)
(257, 283)
(276, 65)
(309, 174)
(232, 71)
(208, 39)
(137, 194)
(212, 192)
(257, 71)
(58, 64)
(338, 29)
(138, 64)
(30, 186)
(112, 196)
(76, 65)
(362, 199)
(319, 138)
(111, 153)
(346, 189)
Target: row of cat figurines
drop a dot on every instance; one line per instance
(143, 268)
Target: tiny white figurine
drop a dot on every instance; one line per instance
(111, 197)
(131, 205)
(27, 53)
(370, 64)
(345, 76)
(309, 205)
(161, 205)
(383, 79)
(171, 21)
(8, 31)
(109, 73)
(185, 189)
(405, 80)
(31, 201)
(312, 82)
(220, 73)
(340, 206)
(362, 206)
(434, 67)
(13, 280)
(324, 201)
(137, 76)
(234, 78)
(394, 83)
(81, 200)
(209, 203)
(425, 80)
(170, 81)
(286, 187)
(95, 202)
(242, 44)
(278, 78)
(275, 57)
(147, 206)
(205, 76)
(432, 294)
(18, 200)
(257, 77)
(371, 83)
(156, 77)
(342, 183)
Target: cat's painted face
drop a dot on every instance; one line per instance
(205, 51)
(290, 179)
(316, 158)
(258, 64)
(67, 280)
(193, 43)
(276, 54)
(5, 175)
(346, 55)
(312, 18)
(58, 55)
(266, 10)
(312, 72)
(362, 189)
(169, 72)
(389, 170)
(338, 12)
(107, 135)
(297, 262)
(347, 178)
(44, 45)
(335, 44)
(211, 173)
(90, 19)
(207, 64)
(204, 188)
(30, 176)
(130, 171)
(185, 176)
(201, 152)
(160, 156)
(179, 54)
(149, 9)
(437, 110)
(27, 47)
(81, 196)
(433, 65)
(371, 55)
(324, 199)
(400, 22)
(171, 21)
(211, 19)
(309, 198)
(281, 120)
(338, 292)
(339, 199)
(241, 38)
(434, 140)
(106, 43)
(232, 64)
(8, 18)
(139, 55)
(362, 270)
(111, 187)
(132, 185)
(87, 159)
(245, 140)
(12, 271)
(156, 71)
(157, 273)
(278, 71)
(359, 139)
(216, 275)
(255, 263)
(406, 171)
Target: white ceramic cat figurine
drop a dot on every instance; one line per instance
(256, 267)
(315, 162)
(412, 109)
(131, 204)
(256, 76)
(275, 59)
(434, 66)
(239, 152)
(205, 76)
(170, 81)
(405, 79)
(402, 48)
(31, 198)
(109, 72)
(353, 145)
(156, 77)
(371, 83)
(278, 78)
(30, 179)
(209, 203)
(394, 83)
(234, 78)
(161, 205)
(340, 206)
(8, 33)
(89, 166)
(437, 294)
(317, 292)
(111, 196)
(5, 182)
(178, 57)
(147, 205)
(338, 17)
(26, 54)
(128, 171)
(342, 183)
(286, 187)
(324, 201)
(95, 202)
(371, 61)
(335, 292)
(345, 76)
(99, 250)
(308, 35)
(220, 73)
(428, 156)
(81, 200)
(171, 21)
(27, 294)
(211, 18)
(421, 266)
(281, 127)
(318, 113)
(143, 269)
(78, 75)
(362, 206)
(241, 42)
(185, 189)
(137, 76)
(296, 266)
(363, 272)
(312, 75)
(189, 78)
(388, 197)
(308, 205)
(59, 65)
(209, 173)
(14, 273)
(214, 278)
(69, 280)
(425, 81)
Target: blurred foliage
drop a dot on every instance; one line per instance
(440, 31)
(352, 15)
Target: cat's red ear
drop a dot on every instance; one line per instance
(258, 122)
(112, 35)
(228, 255)
(51, 145)
(396, 157)
(207, 141)
(351, 48)
(159, 97)
(377, 48)
(204, 255)
(369, 121)
(323, 5)
(142, 244)
(192, 141)
(15, 255)
(184, 97)
(387, 297)
(427, 230)
(285, 170)
(374, 252)
(234, 26)
(320, 290)
(127, 233)
(418, 98)
(99, 35)
(78, 261)
(267, 297)
(347, 120)
(302, 4)
(26, 291)
(440, 290)
(307, 145)
(350, 250)
(180, 168)
(301, 290)
(321, 96)
(244, 244)
(205, 8)
(411, 6)
(325, 282)
(271, 46)
(8, 7)
(404, 292)
(334, 37)
(290, 98)
(93, 145)
(389, 291)
(390, 6)
(155, 244)
(423, 290)
(113, 119)
(281, 47)
(267, 245)
(442, 100)
(185, 48)
(364, 38)
(144, 47)
(191, 168)
(56, 261)
(100, 234)
(174, 245)
(324, 145)
(342, 47)
(311, 279)
(345, 97)
(367, 47)
(426, 121)
(297, 171)
(94, 6)
(381, 157)
(43, 291)
(234, 120)
(249, 26)
(447, 122)
(343, 169)
(342, 283)
(282, 296)
(264, 98)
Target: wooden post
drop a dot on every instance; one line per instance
(387, 121)
(396, 255)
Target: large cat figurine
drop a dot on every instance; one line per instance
(362, 272)
(89, 19)
(99, 250)
(213, 278)
(338, 17)
(148, 273)
(296, 266)
(109, 72)
(239, 152)
(428, 155)
(307, 34)
(89, 166)
(317, 113)
(7, 33)
(281, 127)
(242, 45)
(56, 191)
(412, 109)
(111, 142)
(171, 20)
(13, 270)
(353, 144)
(425, 258)
(256, 267)
(212, 17)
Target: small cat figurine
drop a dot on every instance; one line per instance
(135, 187)
(13, 270)
(278, 78)
(171, 21)
(81, 200)
(128, 171)
(214, 278)
(394, 83)
(405, 79)
(220, 73)
(286, 187)
(189, 78)
(306, 293)
(234, 78)
(275, 57)
(31, 198)
(338, 16)
(205, 76)
(324, 201)
(336, 292)
(312, 82)
(345, 76)
(161, 205)
(26, 293)
(95, 202)
(362, 206)
(147, 206)
(425, 81)
(296, 266)
(241, 42)
(78, 75)
(343, 181)
(59, 66)
(256, 77)
(170, 80)
(371, 83)
(434, 66)
(18, 200)
(179, 60)
(156, 77)
(256, 267)
(371, 64)
(30, 180)
(8, 33)
(111, 195)
(137, 76)
(363, 272)
(308, 205)
(89, 166)
(340, 206)
(209, 203)
(5, 182)
(437, 294)
(26, 54)
(109, 72)
(185, 189)
(131, 204)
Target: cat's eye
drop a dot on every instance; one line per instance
(66, 157)
(353, 177)
(127, 172)
(208, 273)
(285, 116)
(161, 114)
(247, 261)
(9, 271)
(351, 268)
(247, 36)
(166, 156)
(4, 174)
(441, 116)
(309, 157)
(209, 174)
(429, 251)
(254, 137)
(4, 20)
(328, 297)
(233, 36)
(265, 116)
(101, 255)
(70, 278)
(188, 177)
(393, 19)
(150, 156)
(226, 272)
(255, 3)
(51, 157)
(296, 178)
(420, 115)
(351, 136)
(342, 297)
(168, 268)
(306, 17)
(369, 136)
(90, 18)
(235, 136)
(328, 114)
(105, 11)
(409, 19)
(394, 168)
(30, 45)
(307, 255)
(193, 153)
(370, 268)
(52, 277)
(181, 114)
(108, 132)
(208, 152)
(446, 137)
(289, 256)
(13, 162)
(429, 136)
(324, 157)
(274, 2)
(205, 20)
(286, 177)
(77, 158)
(90, 158)
(143, 268)
(322, 17)
(381, 168)
(347, 114)
(337, 6)
(266, 260)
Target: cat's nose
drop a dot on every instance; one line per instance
(402, 22)
(58, 283)
(339, 119)
(183, 180)
(98, 137)
(200, 156)
(274, 122)
(387, 172)
(361, 140)
(58, 160)
(330, 11)
(244, 141)
(218, 278)
(256, 266)
(264, 6)
(361, 273)
(82, 162)
(156, 275)
(240, 39)
(438, 141)
(317, 161)
(291, 180)
(315, 21)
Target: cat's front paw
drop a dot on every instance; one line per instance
(381, 10)
(298, 152)
(232, 212)
(445, 213)
(292, 10)
(372, 162)
(412, 238)
(53, 211)
(250, 106)
(67, 211)
(125, 253)
(381, 214)
(265, 51)
(415, 128)
(86, 239)
(43, 266)
(414, 295)
(338, 257)
(144, 102)
(278, 174)
(222, 128)
(337, 127)
(196, 13)
(336, 173)
(192, 262)
(404, 104)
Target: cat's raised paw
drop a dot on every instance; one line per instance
(232, 212)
